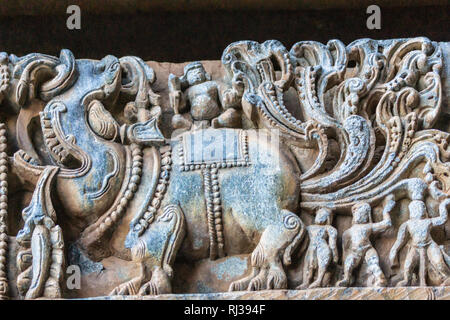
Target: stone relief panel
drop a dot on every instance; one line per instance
(322, 166)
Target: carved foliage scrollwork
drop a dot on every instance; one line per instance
(371, 103)
(254, 65)
(393, 88)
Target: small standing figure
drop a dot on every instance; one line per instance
(357, 245)
(422, 245)
(198, 102)
(322, 250)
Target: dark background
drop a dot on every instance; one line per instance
(185, 35)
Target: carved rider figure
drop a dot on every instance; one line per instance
(322, 250)
(204, 102)
(357, 245)
(422, 246)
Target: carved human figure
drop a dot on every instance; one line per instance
(322, 250)
(357, 245)
(199, 102)
(422, 248)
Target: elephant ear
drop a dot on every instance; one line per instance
(102, 122)
(138, 77)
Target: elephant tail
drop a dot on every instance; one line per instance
(287, 256)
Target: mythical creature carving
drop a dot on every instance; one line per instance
(320, 130)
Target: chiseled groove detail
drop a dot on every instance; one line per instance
(243, 136)
(51, 141)
(133, 184)
(214, 212)
(3, 213)
(278, 104)
(4, 76)
(106, 180)
(212, 195)
(391, 86)
(161, 188)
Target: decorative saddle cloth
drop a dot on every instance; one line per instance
(215, 147)
(209, 150)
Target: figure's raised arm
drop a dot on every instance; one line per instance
(435, 192)
(230, 97)
(386, 222)
(177, 99)
(443, 213)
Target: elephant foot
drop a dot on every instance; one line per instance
(315, 284)
(242, 284)
(445, 283)
(276, 279)
(271, 279)
(278, 240)
(259, 282)
(129, 288)
(302, 286)
(261, 279)
(52, 289)
(403, 283)
(343, 283)
(158, 284)
(380, 283)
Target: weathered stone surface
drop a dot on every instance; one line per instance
(401, 293)
(320, 167)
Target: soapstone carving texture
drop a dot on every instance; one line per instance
(322, 166)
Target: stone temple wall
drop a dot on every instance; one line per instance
(274, 169)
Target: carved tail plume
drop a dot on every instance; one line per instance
(376, 99)
(395, 90)
(254, 65)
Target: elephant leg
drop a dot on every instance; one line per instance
(130, 287)
(156, 250)
(278, 238)
(242, 284)
(159, 283)
(163, 239)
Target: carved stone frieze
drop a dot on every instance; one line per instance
(322, 166)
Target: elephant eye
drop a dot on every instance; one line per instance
(114, 67)
(99, 68)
